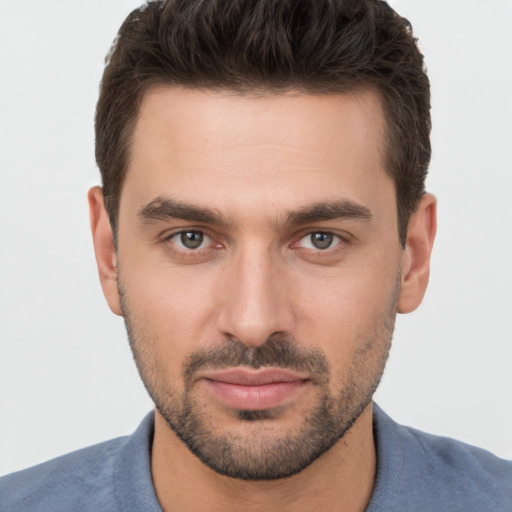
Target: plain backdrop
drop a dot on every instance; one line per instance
(67, 378)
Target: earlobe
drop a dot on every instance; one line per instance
(104, 248)
(416, 257)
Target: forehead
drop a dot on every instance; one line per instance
(283, 148)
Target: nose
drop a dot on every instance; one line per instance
(256, 298)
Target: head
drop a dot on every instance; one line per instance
(262, 217)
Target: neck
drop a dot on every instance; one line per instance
(341, 479)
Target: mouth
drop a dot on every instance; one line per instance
(254, 390)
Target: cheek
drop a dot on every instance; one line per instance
(345, 312)
(172, 309)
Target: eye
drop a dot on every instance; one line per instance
(190, 240)
(319, 240)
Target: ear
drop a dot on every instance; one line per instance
(103, 240)
(421, 232)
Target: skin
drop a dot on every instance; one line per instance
(255, 161)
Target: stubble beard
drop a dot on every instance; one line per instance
(263, 455)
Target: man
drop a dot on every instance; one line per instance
(262, 220)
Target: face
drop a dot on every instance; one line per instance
(259, 270)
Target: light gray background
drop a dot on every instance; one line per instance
(66, 375)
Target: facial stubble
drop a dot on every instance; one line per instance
(263, 455)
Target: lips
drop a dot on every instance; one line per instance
(253, 390)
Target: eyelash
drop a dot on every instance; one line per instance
(338, 243)
(188, 250)
(336, 240)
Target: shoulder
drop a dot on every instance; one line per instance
(425, 472)
(110, 476)
(82, 480)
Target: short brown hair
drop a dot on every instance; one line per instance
(314, 46)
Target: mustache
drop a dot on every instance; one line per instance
(277, 351)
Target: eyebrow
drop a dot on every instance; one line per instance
(330, 210)
(165, 208)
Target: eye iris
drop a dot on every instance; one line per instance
(321, 240)
(192, 239)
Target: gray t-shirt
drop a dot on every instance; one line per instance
(416, 472)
